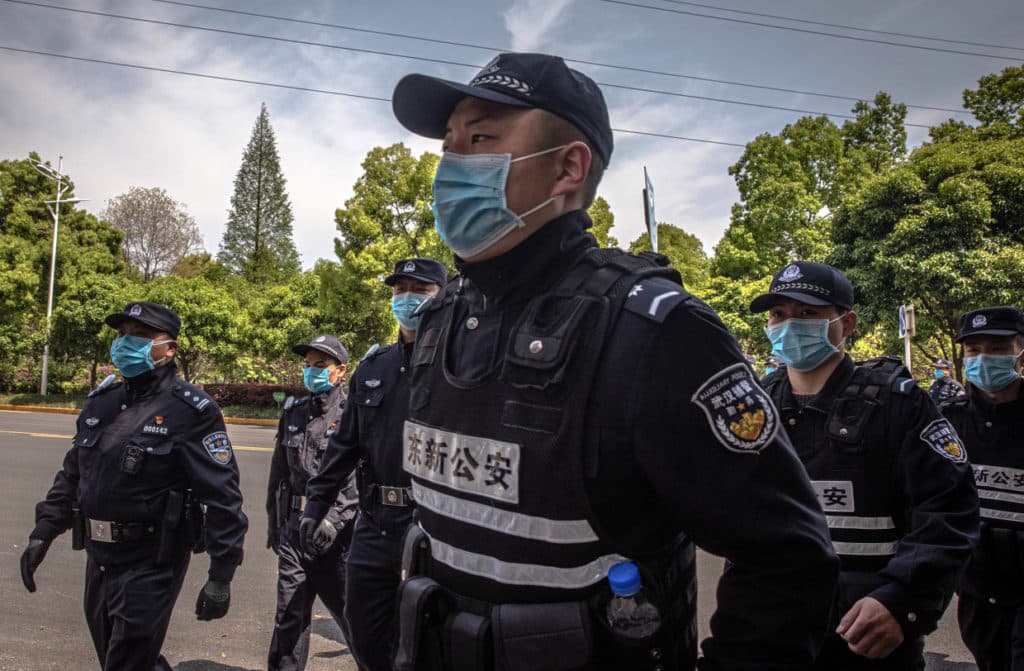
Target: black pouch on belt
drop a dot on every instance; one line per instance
(422, 608)
(550, 636)
(77, 529)
(467, 643)
(170, 523)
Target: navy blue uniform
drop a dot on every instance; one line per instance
(894, 482)
(369, 438)
(677, 445)
(303, 432)
(945, 388)
(138, 445)
(991, 606)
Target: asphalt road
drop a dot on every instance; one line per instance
(47, 630)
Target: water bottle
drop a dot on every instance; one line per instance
(630, 613)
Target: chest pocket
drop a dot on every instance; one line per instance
(88, 437)
(145, 453)
(369, 398)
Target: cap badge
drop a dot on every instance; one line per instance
(979, 321)
(135, 310)
(792, 272)
(92, 421)
(408, 267)
(321, 339)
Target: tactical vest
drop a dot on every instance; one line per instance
(852, 474)
(497, 462)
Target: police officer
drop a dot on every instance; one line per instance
(991, 422)
(888, 469)
(306, 426)
(148, 454)
(370, 439)
(944, 387)
(572, 408)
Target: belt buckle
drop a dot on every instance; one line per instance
(392, 496)
(101, 531)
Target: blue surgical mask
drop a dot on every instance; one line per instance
(992, 372)
(317, 380)
(404, 305)
(802, 344)
(133, 355)
(469, 206)
(938, 374)
(769, 370)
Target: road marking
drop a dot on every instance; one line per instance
(31, 434)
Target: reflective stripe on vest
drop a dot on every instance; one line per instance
(504, 521)
(855, 522)
(864, 549)
(510, 573)
(1002, 488)
(1006, 515)
(1000, 496)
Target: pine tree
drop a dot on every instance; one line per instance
(258, 241)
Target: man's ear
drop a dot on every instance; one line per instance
(849, 324)
(573, 168)
(338, 373)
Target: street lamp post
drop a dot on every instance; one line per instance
(54, 207)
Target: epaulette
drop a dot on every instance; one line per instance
(295, 401)
(192, 396)
(289, 402)
(654, 298)
(903, 385)
(105, 386)
(374, 350)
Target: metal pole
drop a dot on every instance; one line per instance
(906, 351)
(53, 269)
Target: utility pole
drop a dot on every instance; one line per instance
(54, 206)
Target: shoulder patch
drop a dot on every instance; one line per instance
(106, 385)
(654, 298)
(943, 438)
(904, 385)
(218, 446)
(739, 411)
(192, 396)
(374, 348)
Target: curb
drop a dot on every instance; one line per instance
(75, 411)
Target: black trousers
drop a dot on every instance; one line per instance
(374, 571)
(993, 633)
(837, 656)
(128, 609)
(300, 580)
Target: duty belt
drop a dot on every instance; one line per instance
(400, 497)
(102, 531)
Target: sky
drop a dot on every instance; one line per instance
(119, 127)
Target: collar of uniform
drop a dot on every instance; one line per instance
(535, 262)
(822, 401)
(147, 384)
(1003, 411)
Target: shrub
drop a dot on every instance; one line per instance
(250, 393)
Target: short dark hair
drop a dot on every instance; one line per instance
(559, 131)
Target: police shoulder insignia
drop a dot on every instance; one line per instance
(192, 396)
(654, 298)
(904, 385)
(370, 352)
(108, 383)
(739, 411)
(943, 438)
(218, 446)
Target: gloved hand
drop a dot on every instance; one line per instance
(307, 529)
(31, 558)
(324, 537)
(213, 601)
(273, 538)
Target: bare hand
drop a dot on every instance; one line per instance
(870, 630)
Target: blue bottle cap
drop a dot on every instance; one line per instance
(624, 579)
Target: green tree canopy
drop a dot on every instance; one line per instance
(601, 214)
(684, 250)
(999, 99)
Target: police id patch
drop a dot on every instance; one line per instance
(943, 438)
(741, 415)
(218, 447)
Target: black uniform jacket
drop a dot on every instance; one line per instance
(944, 389)
(934, 503)
(184, 447)
(658, 460)
(303, 433)
(371, 431)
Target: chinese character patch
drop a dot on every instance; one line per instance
(741, 415)
(942, 437)
(218, 447)
(835, 496)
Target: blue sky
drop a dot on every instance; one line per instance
(119, 128)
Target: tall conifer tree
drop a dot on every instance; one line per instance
(258, 240)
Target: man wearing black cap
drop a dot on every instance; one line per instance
(991, 421)
(889, 471)
(303, 432)
(572, 408)
(369, 443)
(148, 455)
(944, 387)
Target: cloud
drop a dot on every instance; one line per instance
(528, 21)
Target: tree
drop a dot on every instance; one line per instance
(684, 250)
(999, 99)
(601, 214)
(878, 132)
(158, 232)
(258, 241)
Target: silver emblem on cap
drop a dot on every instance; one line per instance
(321, 339)
(792, 272)
(408, 267)
(92, 421)
(135, 310)
(979, 320)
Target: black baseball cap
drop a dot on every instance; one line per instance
(807, 282)
(327, 344)
(997, 320)
(423, 104)
(424, 270)
(153, 315)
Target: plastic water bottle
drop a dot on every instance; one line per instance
(630, 613)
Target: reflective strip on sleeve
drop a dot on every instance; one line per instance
(1000, 496)
(864, 549)
(856, 522)
(1004, 515)
(510, 573)
(503, 521)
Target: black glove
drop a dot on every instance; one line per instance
(273, 538)
(307, 529)
(214, 599)
(323, 537)
(31, 558)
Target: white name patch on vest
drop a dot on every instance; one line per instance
(835, 496)
(999, 477)
(472, 464)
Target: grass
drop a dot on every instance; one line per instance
(78, 400)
